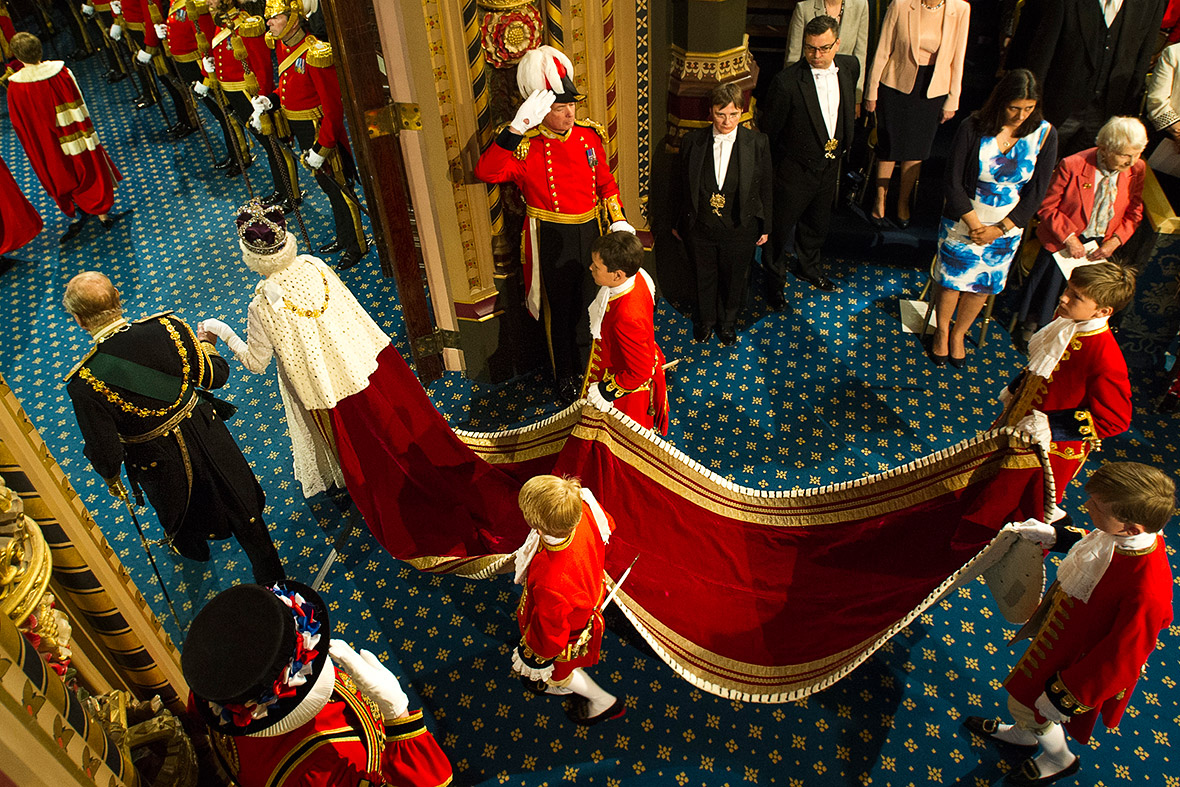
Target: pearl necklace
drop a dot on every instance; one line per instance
(941, 3)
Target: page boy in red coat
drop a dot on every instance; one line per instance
(1095, 628)
(626, 369)
(1076, 391)
(560, 611)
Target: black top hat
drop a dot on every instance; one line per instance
(253, 653)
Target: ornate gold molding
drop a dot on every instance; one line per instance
(714, 67)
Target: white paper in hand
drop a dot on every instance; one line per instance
(1069, 264)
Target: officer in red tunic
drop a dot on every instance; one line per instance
(1076, 391)
(309, 96)
(560, 610)
(560, 165)
(154, 56)
(626, 369)
(1096, 627)
(281, 714)
(185, 35)
(240, 66)
(100, 16)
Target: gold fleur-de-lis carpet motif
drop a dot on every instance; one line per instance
(828, 393)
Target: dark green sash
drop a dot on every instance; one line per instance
(150, 382)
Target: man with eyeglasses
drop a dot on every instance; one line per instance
(809, 115)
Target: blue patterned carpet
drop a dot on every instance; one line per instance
(828, 393)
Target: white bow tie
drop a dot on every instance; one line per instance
(724, 137)
(825, 72)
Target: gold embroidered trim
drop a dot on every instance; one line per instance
(163, 428)
(145, 412)
(560, 218)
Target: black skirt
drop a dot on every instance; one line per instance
(907, 122)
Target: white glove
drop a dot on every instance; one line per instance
(372, 678)
(313, 159)
(88, 9)
(621, 226)
(116, 7)
(256, 121)
(542, 674)
(1036, 426)
(161, 31)
(208, 64)
(225, 333)
(143, 57)
(1047, 709)
(201, 89)
(533, 110)
(261, 104)
(1034, 530)
(595, 398)
(1004, 396)
(116, 33)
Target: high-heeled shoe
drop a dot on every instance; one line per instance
(878, 222)
(902, 223)
(956, 362)
(935, 358)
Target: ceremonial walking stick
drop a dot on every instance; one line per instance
(151, 559)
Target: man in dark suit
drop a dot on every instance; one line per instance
(725, 209)
(809, 116)
(1090, 57)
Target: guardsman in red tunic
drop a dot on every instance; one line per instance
(185, 34)
(100, 16)
(309, 96)
(280, 713)
(152, 55)
(626, 369)
(1096, 627)
(1076, 391)
(560, 165)
(240, 66)
(560, 611)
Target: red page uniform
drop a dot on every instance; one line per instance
(558, 611)
(309, 96)
(1087, 399)
(1087, 656)
(627, 357)
(50, 117)
(346, 744)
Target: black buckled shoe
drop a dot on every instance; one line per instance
(727, 335)
(331, 248)
(349, 258)
(987, 728)
(702, 333)
(180, 130)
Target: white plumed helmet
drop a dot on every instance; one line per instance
(546, 68)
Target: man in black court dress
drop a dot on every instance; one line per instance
(725, 198)
(809, 116)
(139, 399)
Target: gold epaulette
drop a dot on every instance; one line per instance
(319, 54)
(598, 128)
(196, 8)
(80, 363)
(251, 26)
(270, 40)
(153, 316)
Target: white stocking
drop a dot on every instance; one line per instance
(1055, 755)
(584, 686)
(1011, 733)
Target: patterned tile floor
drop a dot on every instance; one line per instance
(828, 393)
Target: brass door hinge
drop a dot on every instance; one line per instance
(436, 342)
(392, 118)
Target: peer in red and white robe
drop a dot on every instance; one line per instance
(626, 367)
(1081, 385)
(19, 220)
(50, 117)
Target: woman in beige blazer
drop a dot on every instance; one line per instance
(1163, 93)
(853, 16)
(916, 77)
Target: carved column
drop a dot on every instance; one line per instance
(709, 48)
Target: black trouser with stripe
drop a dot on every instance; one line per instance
(334, 177)
(231, 131)
(168, 77)
(278, 155)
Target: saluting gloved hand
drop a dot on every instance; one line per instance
(161, 31)
(201, 89)
(1034, 530)
(621, 226)
(88, 9)
(143, 57)
(1047, 709)
(372, 678)
(117, 7)
(313, 159)
(116, 33)
(533, 110)
(208, 64)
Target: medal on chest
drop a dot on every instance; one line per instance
(591, 158)
(717, 202)
(830, 148)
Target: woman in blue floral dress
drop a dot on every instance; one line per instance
(999, 167)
